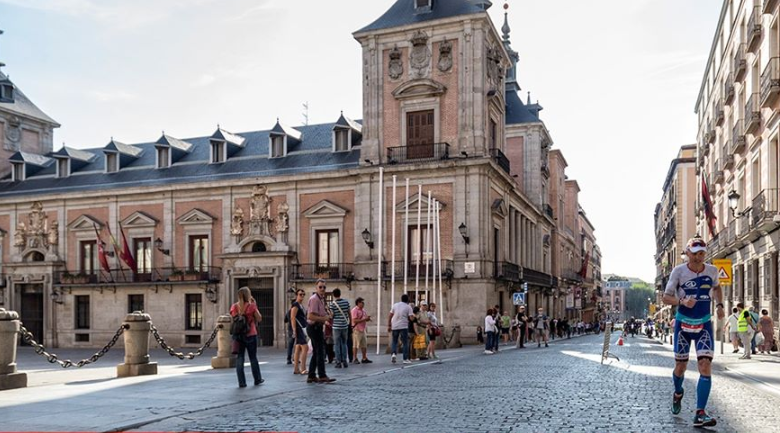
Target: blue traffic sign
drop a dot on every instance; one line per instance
(518, 298)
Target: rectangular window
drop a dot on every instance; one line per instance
(217, 152)
(277, 146)
(62, 167)
(755, 175)
(193, 312)
(199, 253)
(89, 259)
(135, 303)
(417, 247)
(342, 140)
(112, 162)
(327, 248)
(82, 311)
(18, 172)
(162, 157)
(143, 255)
(493, 134)
(419, 134)
(422, 3)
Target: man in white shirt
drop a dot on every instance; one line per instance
(398, 324)
(731, 328)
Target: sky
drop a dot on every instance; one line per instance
(618, 81)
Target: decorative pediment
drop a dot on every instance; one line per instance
(419, 88)
(499, 208)
(325, 209)
(84, 222)
(196, 216)
(139, 219)
(415, 201)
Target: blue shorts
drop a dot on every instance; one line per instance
(685, 333)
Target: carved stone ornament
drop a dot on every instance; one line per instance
(54, 234)
(445, 56)
(420, 56)
(237, 223)
(259, 212)
(19, 235)
(493, 65)
(396, 65)
(282, 222)
(13, 134)
(37, 233)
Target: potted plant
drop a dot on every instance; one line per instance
(176, 275)
(81, 278)
(191, 275)
(67, 278)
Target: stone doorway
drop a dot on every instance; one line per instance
(31, 312)
(263, 292)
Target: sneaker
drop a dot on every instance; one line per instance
(488, 352)
(366, 361)
(392, 358)
(701, 419)
(356, 361)
(338, 365)
(407, 361)
(677, 402)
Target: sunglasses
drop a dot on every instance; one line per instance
(698, 244)
(320, 287)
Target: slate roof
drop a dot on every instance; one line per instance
(517, 112)
(403, 13)
(22, 106)
(167, 140)
(76, 154)
(313, 155)
(229, 137)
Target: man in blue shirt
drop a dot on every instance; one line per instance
(692, 286)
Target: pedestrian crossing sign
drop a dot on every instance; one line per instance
(518, 298)
(724, 271)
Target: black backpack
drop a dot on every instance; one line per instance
(239, 327)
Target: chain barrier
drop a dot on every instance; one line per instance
(447, 340)
(181, 355)
(28, 338)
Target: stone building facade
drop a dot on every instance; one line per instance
(279, 208)
(738, 154)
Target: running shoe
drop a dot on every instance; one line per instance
(677, 403)
(407, 361)
(392, 358)
(366, 361)
(703, 420)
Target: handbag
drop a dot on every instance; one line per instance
(759, 339)
(434, 330)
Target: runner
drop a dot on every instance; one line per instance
(691, 287)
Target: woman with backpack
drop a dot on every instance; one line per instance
(244, 331)
(298, 326)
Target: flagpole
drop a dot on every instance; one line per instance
(379, 261)
(419, 243)
(392, 248)
(406, 238)
(427, 243)
(438, 246)
(433, 253)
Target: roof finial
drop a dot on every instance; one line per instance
(529, 98)
(505, 28)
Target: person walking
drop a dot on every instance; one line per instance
(732, 324)
(746, 329)
(505, 326)
(754, 317)
(339, 309)
(360, 320)
(316, 316)
(290, 338)
(541, 325)
(247, 343)
(433, 331)
(423, 323)
(692, 286)
(766, 327)
(298, 330)
(490, 330)
(398, 325)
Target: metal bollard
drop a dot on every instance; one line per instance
(225, 357)
(137, 347)
(9, 329)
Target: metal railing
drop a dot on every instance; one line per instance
(126, 276)
(770, 82)
(752, 114)
(743, 224)
(740, 63)
(500, 159)
(720, 115)
(728, 89)
(507, 272)
(418, 153)
(538, 278)
(315, 271)
(446, 271)
(764, 208)
(754, 28)
(738, 136)
(731, 233)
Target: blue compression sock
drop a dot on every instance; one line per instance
(678, 383)
(703, 391)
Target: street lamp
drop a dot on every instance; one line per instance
(367, 238)
(464, 232)
(734, 203)
(158, 243)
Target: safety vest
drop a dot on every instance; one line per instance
(742, 324)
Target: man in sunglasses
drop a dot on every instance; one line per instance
(692, 286)
(316, 317)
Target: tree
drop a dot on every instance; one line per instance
(636, 300)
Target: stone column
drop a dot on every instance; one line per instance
(224, 358)
(9, 328)
(137, 347)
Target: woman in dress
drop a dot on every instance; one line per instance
(433, 326)
(298, 325)
(766, 327)
(246, 306)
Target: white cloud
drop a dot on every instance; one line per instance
(112, 95)
(204, 80)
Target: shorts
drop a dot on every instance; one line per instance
(539, 332)
(505, 331)
(684, 334)
(359, 340)
(733, 336)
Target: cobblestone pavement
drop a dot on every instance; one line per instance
(558, 389)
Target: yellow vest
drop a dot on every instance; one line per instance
(743, 324)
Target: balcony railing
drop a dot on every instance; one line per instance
(731, 233)
(728, 90)
(418, 153)
(740, 63)
(754, 29)
(752, 114)
(720, 115)
(532, 276)
(500, 159)
(743, 225)
(506, 271)
(764, 211)
(769, 6)
(446, 271)
(738, 136)
(717, 173)
(709, 135)
(125, 276)
(315, 271)
(770, 82)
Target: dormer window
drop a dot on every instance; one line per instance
(423, 5)
(112, 162)
(277, 146)
(17, 174)
(217, 152)
(6, 92)
(163, 157)
(346, 133)
(63, 167)
(341, 140)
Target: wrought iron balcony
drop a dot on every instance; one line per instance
(738, 136)
(743, 225)
(770, 82)
(126, 276)
(731, 233)
(740, 63)
(752, 114)
(505, 271)
(418, 153)
(728, 161)
(500, 159)
(704, 149)
(532, 276)
(769, 6)
(754, 29)
(315, 271)
(446, 271)
(720, 115)
(709, 134)
(717, 172)
(764, 212)
(728, 89)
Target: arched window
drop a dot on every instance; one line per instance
(259, 247)
(35, 256)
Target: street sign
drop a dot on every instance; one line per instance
(469, 268)
(518, 298)
(525, 287)
(724, 270)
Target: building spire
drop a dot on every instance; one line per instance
(511, 73)
(1, 63)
